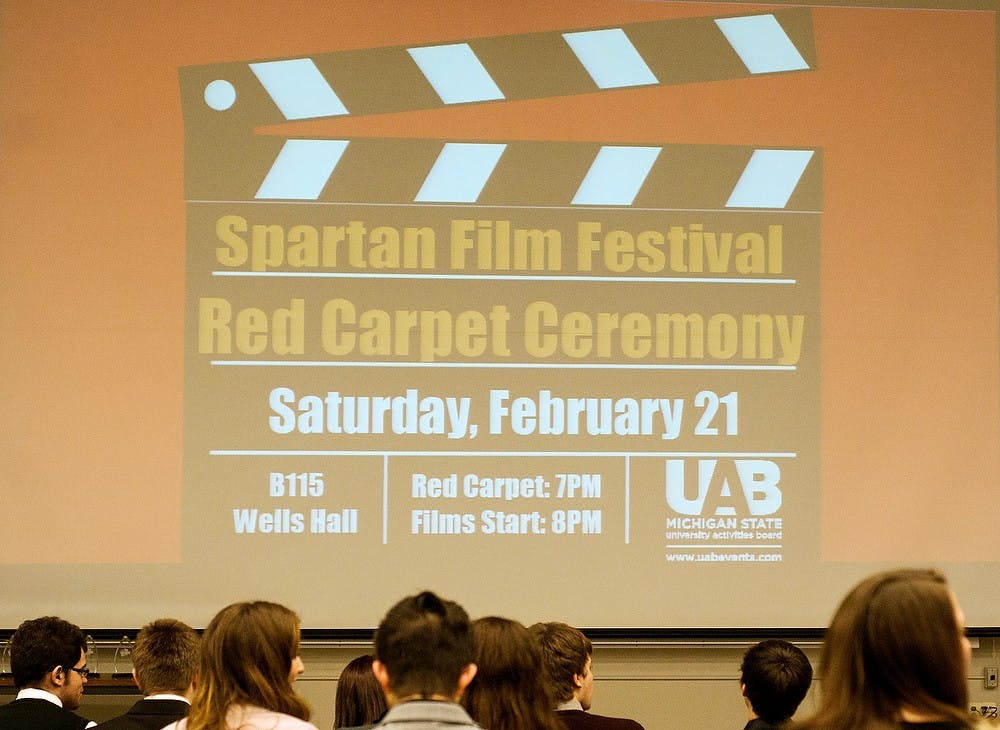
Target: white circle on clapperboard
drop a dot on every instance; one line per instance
(220, 95)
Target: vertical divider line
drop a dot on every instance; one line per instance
(385, 499)
(628, 498)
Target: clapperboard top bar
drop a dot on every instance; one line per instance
(226, 159)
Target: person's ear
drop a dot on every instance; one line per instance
(468, 674)
(58, 676)
(381, 674)
(578, 680)
(743, 689)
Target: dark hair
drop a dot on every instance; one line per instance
(246, 658)
(359, 699)
(40, 645)
(565, 651)
(776, 675)
(165, 656)
(894, 644)
(508, 692)
(425, 643)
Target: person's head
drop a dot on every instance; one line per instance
(775, 677)
(249, 655)
(165, 657)
(567, 661)
(424, 648)
(507, 692)
(359, 699)
(895, 648)
(49, 653)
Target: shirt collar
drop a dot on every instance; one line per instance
(33, 693)
(167, 696)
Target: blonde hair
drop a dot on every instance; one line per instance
(246, 659)
(165, 656)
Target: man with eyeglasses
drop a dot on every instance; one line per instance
(49, 662)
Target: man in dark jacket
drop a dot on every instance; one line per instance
(49, 662)
(164, 665)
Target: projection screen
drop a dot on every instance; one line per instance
(611, 312)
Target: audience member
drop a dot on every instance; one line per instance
(249, 662)
(567, 660)
(775, 676)
(164, 663)
(424, 661)
(48, 661)
(895, 656)
(360, 701)
(507, 692)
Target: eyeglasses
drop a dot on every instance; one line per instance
(82, 671)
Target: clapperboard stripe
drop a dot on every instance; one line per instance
(564, 174)
(531, 66)
(234, 99)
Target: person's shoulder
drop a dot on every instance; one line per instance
(581, 720)
(287, 722)
(33, 709)
(758, 724)
(280, 721)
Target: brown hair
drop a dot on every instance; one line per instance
(359, 699)
(893, 645)
(508, 691)
(246, 658)
(165, 656)
(565, 651)
(40, 645)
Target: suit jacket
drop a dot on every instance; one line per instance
(148, 715)
(758, 724)
(581, 720)
(30, 713)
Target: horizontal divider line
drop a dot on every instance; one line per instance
(578, 208)
(557, 366)
(495, 277)
(638, 454)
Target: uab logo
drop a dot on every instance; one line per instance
(723, 486)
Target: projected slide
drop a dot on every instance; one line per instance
(514, 348)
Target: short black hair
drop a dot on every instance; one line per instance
(425, 643)
(40, 645)
(777, 675)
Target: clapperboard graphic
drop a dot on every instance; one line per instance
(226, 160)
(242, 179)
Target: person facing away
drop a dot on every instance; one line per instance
(164, 664)
(48, 661)
(248, 666)
(774, 677)
(359, 701)
(895, 656)
(567, 661)
(508, 693)
(424, 655)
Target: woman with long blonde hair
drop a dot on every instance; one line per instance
(249, 660)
